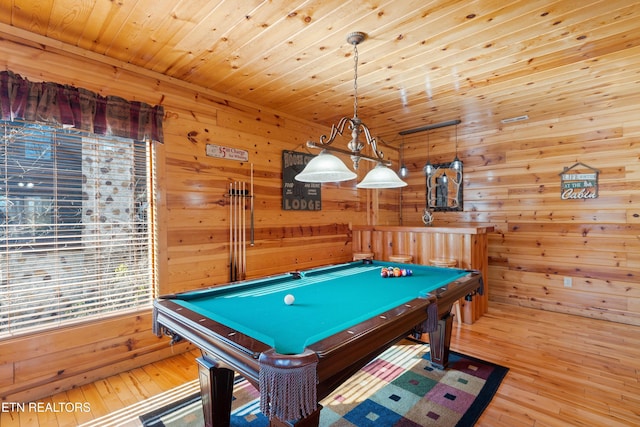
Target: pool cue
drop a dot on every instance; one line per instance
(236, 217)
(243, 198)
(231, 201)
(251, 202)
(237, 231)
(238, 194)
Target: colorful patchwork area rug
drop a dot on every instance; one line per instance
(400, 388)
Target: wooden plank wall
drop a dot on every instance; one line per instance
(193, 214)
(512, 182)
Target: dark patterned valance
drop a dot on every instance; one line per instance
(78, 108)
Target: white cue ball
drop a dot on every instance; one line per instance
(289, 299)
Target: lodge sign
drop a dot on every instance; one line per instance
(296, 195)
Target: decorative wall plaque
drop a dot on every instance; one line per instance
(296, 195)
(579, 182)
(230, 153)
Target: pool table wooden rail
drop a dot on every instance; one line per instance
(234, 348)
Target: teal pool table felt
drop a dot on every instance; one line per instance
(327, 300)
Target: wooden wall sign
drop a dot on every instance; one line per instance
(296, 195)
(227, 153)
(579, 182)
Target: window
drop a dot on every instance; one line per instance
(76, 239)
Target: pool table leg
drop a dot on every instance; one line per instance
(439, 342)
(216, 388)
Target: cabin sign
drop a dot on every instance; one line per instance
(579, 182)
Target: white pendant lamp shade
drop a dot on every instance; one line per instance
(325, 167)
(381, 177)
(456, 164)
(428, 169)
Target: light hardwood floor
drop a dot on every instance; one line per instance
(564, 371)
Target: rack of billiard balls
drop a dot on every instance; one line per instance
(395, 272)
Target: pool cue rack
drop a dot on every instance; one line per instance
(238, 195)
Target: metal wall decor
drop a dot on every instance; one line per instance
(444, 180)
(444, 187)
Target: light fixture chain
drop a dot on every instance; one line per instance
(355, 80)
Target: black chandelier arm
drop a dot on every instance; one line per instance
(355, 125)
(372, 142)
(335, 131)
(312, 144)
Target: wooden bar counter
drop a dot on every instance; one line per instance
(467, 244)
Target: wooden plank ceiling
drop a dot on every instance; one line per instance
(423, 62)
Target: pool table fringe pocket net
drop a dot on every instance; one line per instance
(283, 379)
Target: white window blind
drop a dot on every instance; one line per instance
(76, 236)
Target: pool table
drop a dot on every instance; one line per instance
(342, 317)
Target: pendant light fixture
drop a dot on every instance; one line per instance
(328, 168)
(403, 172)
(428, 167)
(457, 163)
